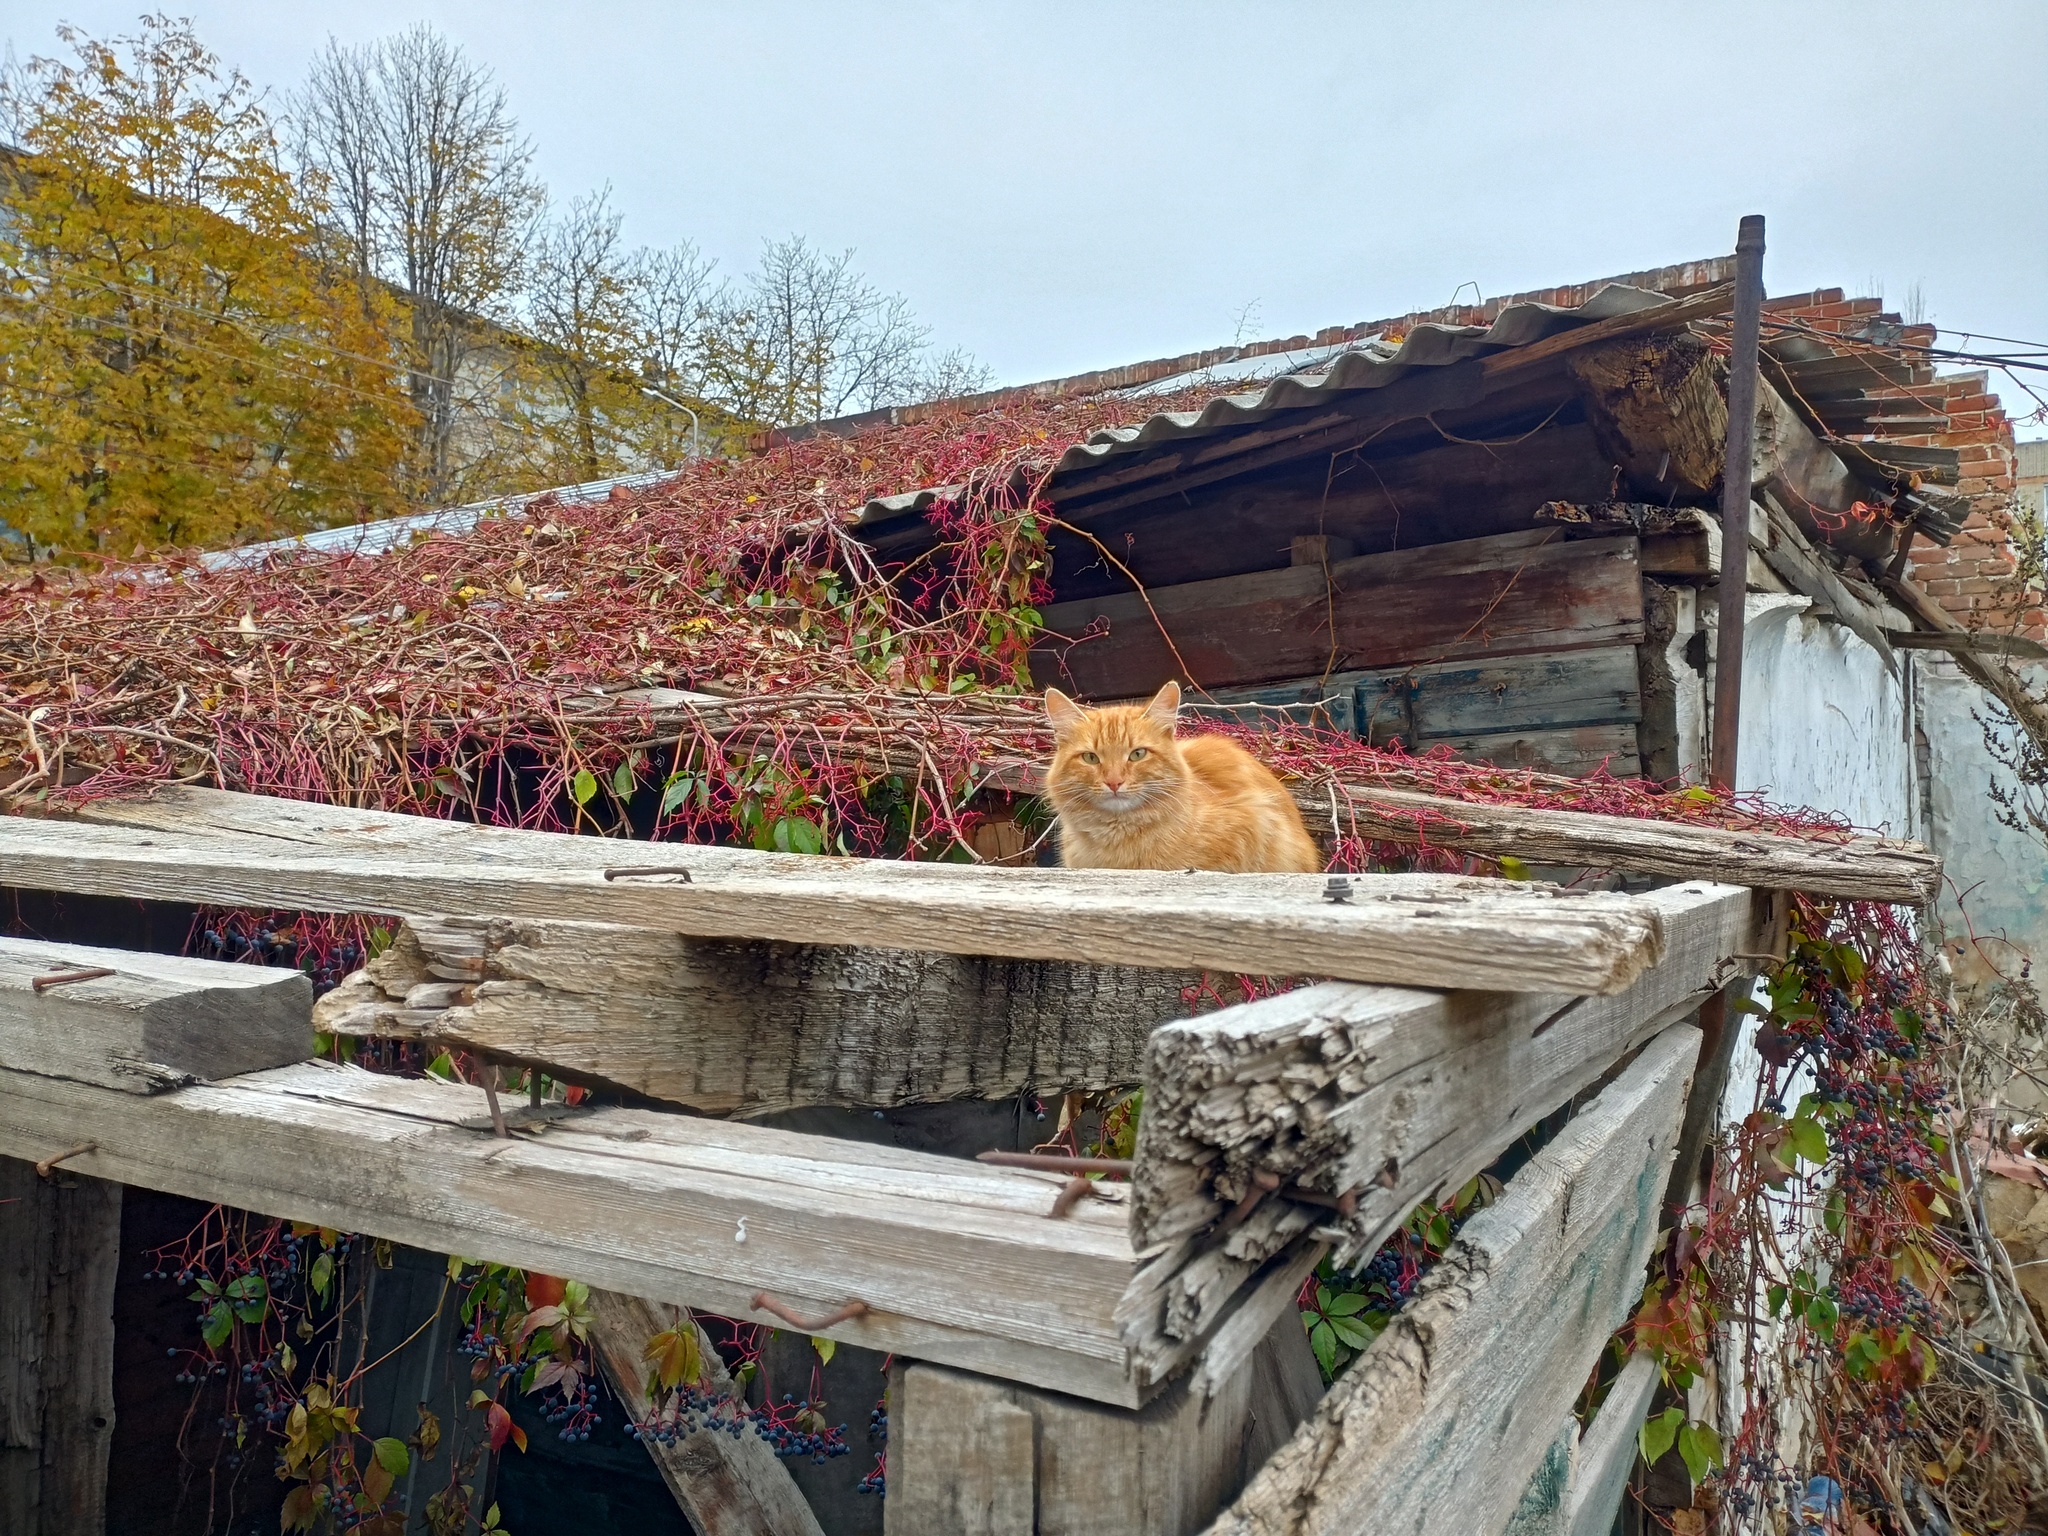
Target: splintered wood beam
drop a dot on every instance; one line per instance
(749, 1027)
(1847, 865)
(1431, 930)
(60, 1245)
(1298, 1106)
(952, 1257)
(1482, 1365)
(728, 1485)
(143, 1023)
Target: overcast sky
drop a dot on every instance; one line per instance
(1061, 187)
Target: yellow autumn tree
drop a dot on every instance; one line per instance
(184, 356)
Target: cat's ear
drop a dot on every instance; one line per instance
(1164, 707)
(1066, 716)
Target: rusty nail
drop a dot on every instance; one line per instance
(1071, 1194)
(65, 978)
(1048, 1162)
(763, 1302)
(43, 1168)
(649, 869)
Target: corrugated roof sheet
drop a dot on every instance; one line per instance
(375, 538)
(1370, 364)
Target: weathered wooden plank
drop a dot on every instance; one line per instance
(728, 1485)
(1424, 704)
(1879, 869)
(1607, 1450)
(1389, 1092)
(60, 1244)
(949, 1255)
(746, 1028)
(1482, 1365)
(1430, 930)
(1384, 1095)
(1868, 868)
(1545, 1509)
(1573, 750)
(1163, 1471)
(1520, 592)
(142, 1022)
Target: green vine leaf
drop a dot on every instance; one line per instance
(1658, 1434)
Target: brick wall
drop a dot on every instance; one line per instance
(1976, 576)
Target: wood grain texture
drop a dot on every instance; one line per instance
(727, 1485)
(1872, 868)
(1163, 1471)
(1607, 1450)
(1482, 1366)
(158, 1022)
(638, 1201)
(1867, 868)
(1520, 592)
(1573, 750)
(1427, 929)
(1394, 1096)
(60, 1242)
(746, 1028)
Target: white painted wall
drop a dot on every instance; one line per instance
(1823, 724)
(1994, 914)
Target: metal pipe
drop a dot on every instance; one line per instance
(1735, 488)
(696, 432)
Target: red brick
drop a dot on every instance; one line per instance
(1941, 588)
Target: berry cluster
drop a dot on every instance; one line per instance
(790, 1427)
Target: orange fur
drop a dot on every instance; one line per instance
(1149, 800)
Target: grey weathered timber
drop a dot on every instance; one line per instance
(1498, 596)
(967, 1454)
(60, 1244)
(1574, 750)
(727, 1485)
(1429, 702)
(1607, 1450)
(747, 1028)
(1481, 1367)
(1389, 1095)
(1431, 930)
(155, 1022)
(1867, 868)
(1546, 1507)
(1877, 869)
(951, 1256)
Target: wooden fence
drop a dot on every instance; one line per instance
(1129, 1361)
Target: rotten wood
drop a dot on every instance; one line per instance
(748, 1028)
(1483, 1364)
(60, 1245)
(143, 1023)
(1394, 1096)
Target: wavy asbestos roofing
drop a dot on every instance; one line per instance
(1370, 364)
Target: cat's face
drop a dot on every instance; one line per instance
(1115, 760)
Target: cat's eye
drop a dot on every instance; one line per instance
(1138, 753)
(1090, 757)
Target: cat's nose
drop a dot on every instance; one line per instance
(1112, 785)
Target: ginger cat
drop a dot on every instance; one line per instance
(1131, 796)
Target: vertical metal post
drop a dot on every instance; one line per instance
(1749, 303)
